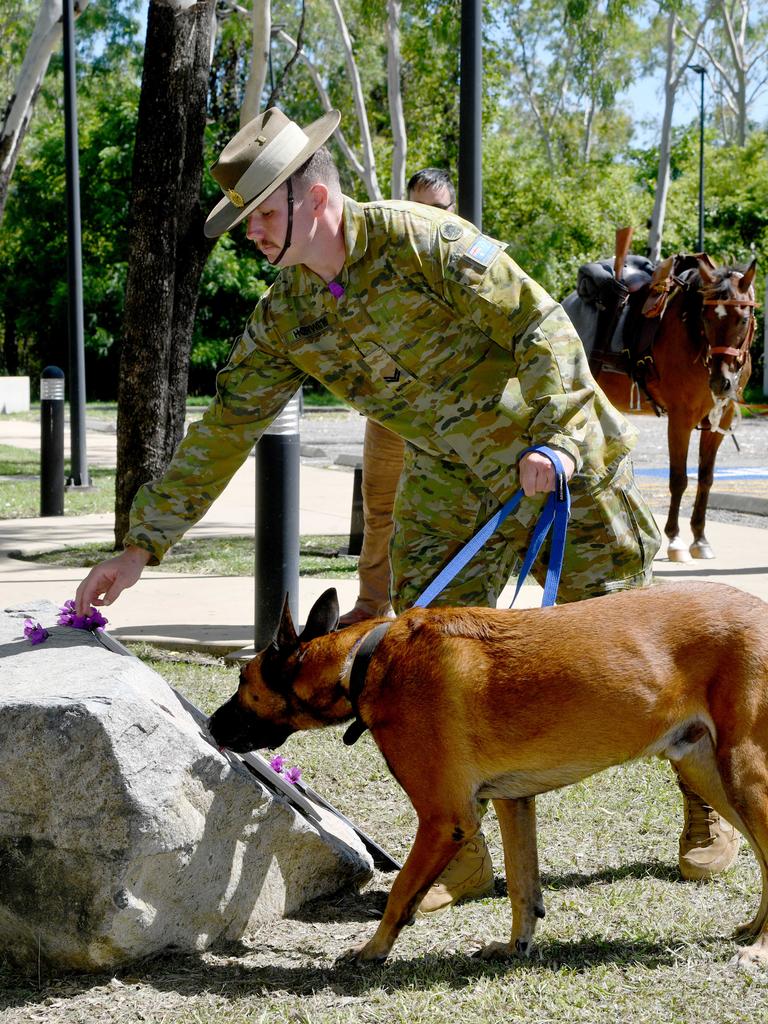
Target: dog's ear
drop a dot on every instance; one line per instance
(323, 618)
(285, 638)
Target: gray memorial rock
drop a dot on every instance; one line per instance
(123, 830)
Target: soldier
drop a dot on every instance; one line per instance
(419, 321)
(383, 454)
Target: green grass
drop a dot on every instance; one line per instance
(624, 941)
(20, 498)
(221, 556)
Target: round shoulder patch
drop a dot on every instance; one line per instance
(450, 231)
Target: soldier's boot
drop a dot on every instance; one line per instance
(708, 843)
(468, 876)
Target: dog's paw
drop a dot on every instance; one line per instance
(752, 958)
(362, 953)
(497, 951)
(746, 931)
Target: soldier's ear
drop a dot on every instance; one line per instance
(323, 618)
(317, 195)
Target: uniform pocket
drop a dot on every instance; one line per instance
(613, 527)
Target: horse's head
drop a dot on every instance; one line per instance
(728, 325)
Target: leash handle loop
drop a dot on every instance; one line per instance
(556, 510)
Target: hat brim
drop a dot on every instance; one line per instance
(226, 215)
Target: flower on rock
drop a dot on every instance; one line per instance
(68, 617)
(292, 775)
(34, 632)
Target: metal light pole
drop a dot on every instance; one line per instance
(700, 71)
(78, 462)
(471, 113)
(276, 570)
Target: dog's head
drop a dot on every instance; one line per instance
(276, 691)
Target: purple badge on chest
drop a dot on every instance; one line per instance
(336, 289)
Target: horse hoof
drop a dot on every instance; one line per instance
(677, 552)
(701, 549)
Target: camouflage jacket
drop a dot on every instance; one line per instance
(438, 335)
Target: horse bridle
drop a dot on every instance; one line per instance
(740, 353)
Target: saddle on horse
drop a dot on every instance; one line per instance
(617, 319)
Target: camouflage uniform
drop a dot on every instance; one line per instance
(440, 337)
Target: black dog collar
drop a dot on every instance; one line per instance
(363, 656)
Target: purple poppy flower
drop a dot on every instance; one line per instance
(277, 763)
(68, 617)
(96, 620)
(34, 632)
(293, 775)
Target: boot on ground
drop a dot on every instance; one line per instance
(468, 876)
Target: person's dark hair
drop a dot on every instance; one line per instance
(319, 167)
(432, 177)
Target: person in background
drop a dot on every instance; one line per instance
(383, 455)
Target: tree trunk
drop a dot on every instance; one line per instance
(46, 38)
(662, 178)
(167, 246)
(261, 32)
(395, 95)
(349, 154)
(369, 160)
(674, 72)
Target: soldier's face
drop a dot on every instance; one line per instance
(266, 226)
(430, 195)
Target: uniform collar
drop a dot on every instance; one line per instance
(302, 281)
(355, 231)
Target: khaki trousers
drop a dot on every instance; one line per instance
(382, 466)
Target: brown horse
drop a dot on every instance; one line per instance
(696, 372)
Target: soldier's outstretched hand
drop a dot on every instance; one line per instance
(107, 580)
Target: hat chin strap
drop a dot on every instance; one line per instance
(289, 229)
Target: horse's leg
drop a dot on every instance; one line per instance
(709, 443)
(678, 439)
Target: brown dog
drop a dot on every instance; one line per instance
(474, 703)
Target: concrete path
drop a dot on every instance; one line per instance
(216, 613)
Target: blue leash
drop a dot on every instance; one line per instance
(556, 511)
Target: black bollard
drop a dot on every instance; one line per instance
(52, 442)
(277, 523)
(357, 517)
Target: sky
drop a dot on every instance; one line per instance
(646, 103)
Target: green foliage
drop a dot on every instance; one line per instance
(554, 223)
(559, 172)
(33, 258)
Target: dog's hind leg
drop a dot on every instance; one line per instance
(745, 777)
(734, 780)
(435, 845)
(517, 821)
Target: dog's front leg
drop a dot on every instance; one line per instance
(517, 821)
(435, 845)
